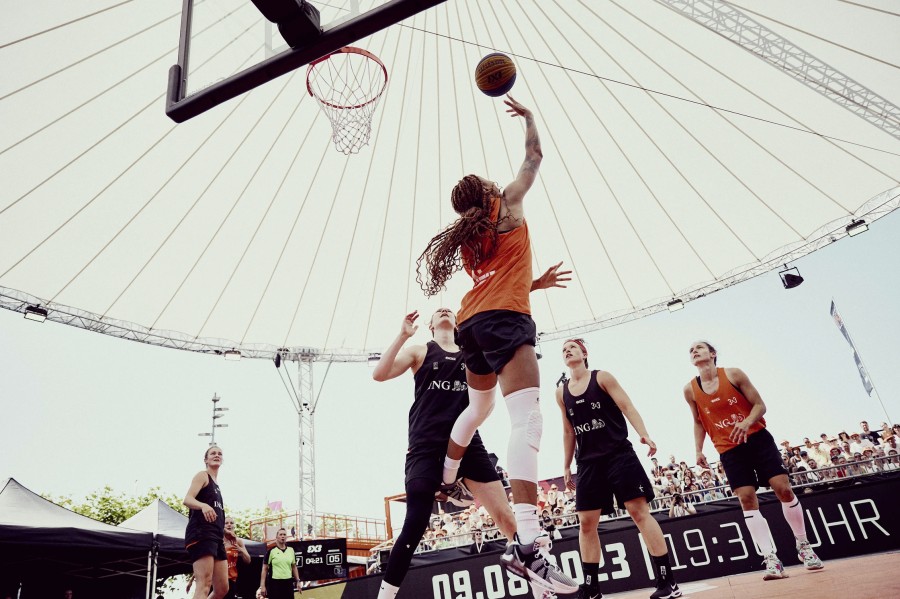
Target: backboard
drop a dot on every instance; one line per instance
(227, 47)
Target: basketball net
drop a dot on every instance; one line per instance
(347, 84)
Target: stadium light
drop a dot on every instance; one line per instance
(232, 355)
(373, 360)
(675, 305)
(790, 277)
(856, 227)
(36, 313)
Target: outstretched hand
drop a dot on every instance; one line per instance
(409, 326)
(649, 443)
(553, 277)
(515, 109)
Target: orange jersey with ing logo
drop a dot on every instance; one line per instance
(720, 411)
(503, 281)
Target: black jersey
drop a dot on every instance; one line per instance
(599, 424)
(198, 529)
(441, 396)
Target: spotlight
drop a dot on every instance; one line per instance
(856, 227)
(373, 360)
(278, 360)
(790, 277)
(675, 305)
(232, 355)
(36, 313)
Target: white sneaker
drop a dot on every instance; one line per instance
(531, 563)
(774, 569)
(808, 556)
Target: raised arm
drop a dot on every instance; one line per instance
(609, 384)
(739, 379)
(699, 431)
(515, 192)
(568, 441)
(393, 361)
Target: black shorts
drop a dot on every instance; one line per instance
(280, 588)
(753, 463)
(620, 473)
(428, 463)
(205, 547)
(490, 339)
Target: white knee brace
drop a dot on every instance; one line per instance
(481, 404)
(526, 425)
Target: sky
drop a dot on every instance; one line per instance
(82, 410)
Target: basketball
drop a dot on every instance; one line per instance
(495, 74)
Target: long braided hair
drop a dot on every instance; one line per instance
(443, 255)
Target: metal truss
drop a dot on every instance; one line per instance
(18, 301)
(306, 443)
(735, 26)
(879, 206)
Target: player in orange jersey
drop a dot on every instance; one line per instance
(490, 240)
(727, 407)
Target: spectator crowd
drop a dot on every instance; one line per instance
(679, 486)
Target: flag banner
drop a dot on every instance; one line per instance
(274, 506)
(866, 381)
(863, 374)
(840, 324)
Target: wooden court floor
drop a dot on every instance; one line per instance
(865, 577)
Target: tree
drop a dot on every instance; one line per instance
(111, 507)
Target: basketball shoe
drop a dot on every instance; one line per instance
(666, 590)
(808, 556)
(456, 493)
(531, 563)
(774, 569)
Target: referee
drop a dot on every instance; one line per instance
(281, 561)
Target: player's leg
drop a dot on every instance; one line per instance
(742, 476)
(639, 510)
(793, 513)
(759, 531)
(492, 496)
(419, 502)
(631, 485)
(203, 576)
(481, 382)
(519, 382)
(589, 547)
(220, 578)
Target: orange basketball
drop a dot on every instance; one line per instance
(495, 74)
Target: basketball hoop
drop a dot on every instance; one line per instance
(347, 84)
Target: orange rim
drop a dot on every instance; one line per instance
(346, 50)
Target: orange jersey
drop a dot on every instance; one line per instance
(720, 411)
(232, 553)
(503, 281)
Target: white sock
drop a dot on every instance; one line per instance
(759, 530)
(451, 467)
(387, 591)
(793, 513)
(527, 524)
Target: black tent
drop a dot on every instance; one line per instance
(168, 527)
(45, 548)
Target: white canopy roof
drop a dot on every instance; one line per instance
(676, 163)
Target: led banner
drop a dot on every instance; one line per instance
(855, 519)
